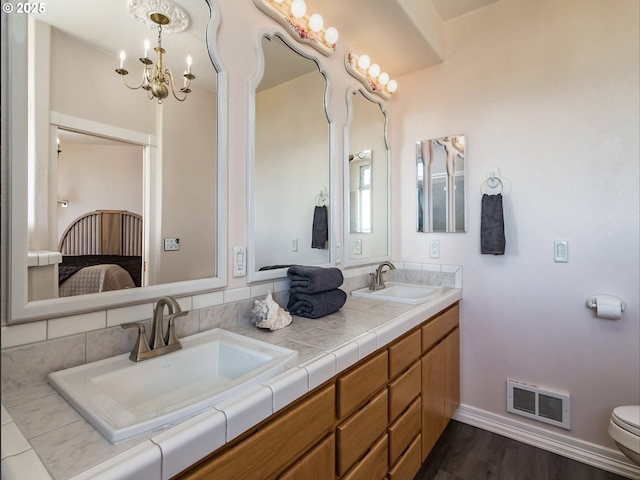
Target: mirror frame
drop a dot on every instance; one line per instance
(14, 217)
(347, 260)
(254, 275)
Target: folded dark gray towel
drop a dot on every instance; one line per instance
(316, 305)
(320, 231)
(309, 279)
(492, 240)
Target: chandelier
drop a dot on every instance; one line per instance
(157, 80)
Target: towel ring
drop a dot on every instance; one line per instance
(492, 181)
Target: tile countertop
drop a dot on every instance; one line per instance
(45, 438)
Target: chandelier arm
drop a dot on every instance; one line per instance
(142, 82)
(168, 74)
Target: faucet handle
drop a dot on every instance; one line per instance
(170, 336)
(141, 346)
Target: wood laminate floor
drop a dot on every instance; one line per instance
(469, 453)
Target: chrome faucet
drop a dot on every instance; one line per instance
(377, 281)
(159, 343)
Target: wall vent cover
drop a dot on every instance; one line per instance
(539, 404)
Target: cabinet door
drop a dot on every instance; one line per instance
(319, 463)
(452, 373)
(433, 394)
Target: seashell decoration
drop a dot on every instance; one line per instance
(268, 314)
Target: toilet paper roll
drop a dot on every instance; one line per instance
(608, 309)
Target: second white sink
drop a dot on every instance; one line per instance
(122, 398)
(400, 292)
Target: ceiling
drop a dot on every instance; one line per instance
(389, 31)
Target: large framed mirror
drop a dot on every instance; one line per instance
(440, 184)
(367, 178)
(289, 162)
(153, 171)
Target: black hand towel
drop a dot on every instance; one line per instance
(305, 279)
(492, 240)
(320, 232)
(316, 305)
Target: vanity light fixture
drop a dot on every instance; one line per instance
(370, 75)
(308, 26)
(157, 80)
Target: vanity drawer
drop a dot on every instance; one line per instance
(408, 464)
(403, 390)
(261, 454)
(355, 435)
(318, 463)
(356, 386)
(403, 353)
(403, 430)
(437, 328)
(374, 465)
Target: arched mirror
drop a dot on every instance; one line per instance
(116, 196)
(289, 170)
(366, 180)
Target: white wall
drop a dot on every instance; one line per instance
(548, 92)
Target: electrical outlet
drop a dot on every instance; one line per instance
(239, 261)
(171, 244)
(560, 251)
(434, 251)
(357, 247)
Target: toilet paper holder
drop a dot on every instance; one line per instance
(603, 299)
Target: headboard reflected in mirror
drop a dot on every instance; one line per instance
(83, 95)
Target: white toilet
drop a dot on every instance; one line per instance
(624, 428)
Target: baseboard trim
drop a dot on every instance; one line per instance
(585, 452)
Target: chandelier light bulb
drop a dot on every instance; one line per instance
(374, 70)
(383, 78)
(363, 62)
(392, 86)
(298, 8)
(316, 22)
(331, 36)
(123, 57)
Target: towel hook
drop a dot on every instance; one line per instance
(322, 198)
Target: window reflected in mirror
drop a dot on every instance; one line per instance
(360, 171)
(291, 170)
(440, 193)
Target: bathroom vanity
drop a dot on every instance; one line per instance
(380, 417)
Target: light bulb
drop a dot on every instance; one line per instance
(364, 61)
(331, 36)
(298, 8)
(383, 78)
(278, 1)
(147, 45)
(123, 57)
(316, 22)
(374, 70)
(392, 86)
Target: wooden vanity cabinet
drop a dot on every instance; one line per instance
(440, 375)
(378, 419)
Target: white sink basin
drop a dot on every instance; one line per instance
(122, 398)
(400, 292)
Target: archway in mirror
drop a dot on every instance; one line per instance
(366, 180)
(174, 145)
(290, 175)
